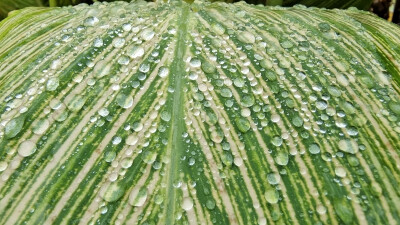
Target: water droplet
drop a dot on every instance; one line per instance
(3, 166)
(123, 60)
(246, 37)
(98, 42)
(118, 42)
(113, 192)
(187, 203)
(216, 137)
(147, 34)
(131, 139)
(90, 21)
(195, 62)
(272, 196)
(101, 69)
(135, 51)
(349, 146)
(163, 71)
(218, 28)
(273, 178)
(124, 101)
(321, 209)
(76, 103)
(26, 148)
(277, 141)
(138, 196)
(41, 126)
(226, 93)
(207, 67)
(344, 210)
(340, 172)
(297, 121)
(166, 116)
(282, 158)
(321, 105)
(14, 126)
(242, 124)
(395, 107)
(324, 27)
(314, 148)
(144, 68)
(210, 204)
(247, 101)
(52, 84)
(376, 189)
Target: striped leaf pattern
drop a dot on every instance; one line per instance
(145, 113)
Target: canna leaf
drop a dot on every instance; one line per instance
(176, 113)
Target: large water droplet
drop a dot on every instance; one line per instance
(135, 51)
(113, 192)
(138, 196)
(124, 101)
(14, 126)
(52, 84)
(272, 196)
(101, 69)
(246, 37)
(27, 148)
(314, 148)
(163, 71)
(187, 203)
(349, 146)
(41, 126)
(147, 34)
(242, 124)
(282, 158)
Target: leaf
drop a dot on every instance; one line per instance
(173, 113)
(9, 5)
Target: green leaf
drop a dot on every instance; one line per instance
(170, 113)
(7, 6)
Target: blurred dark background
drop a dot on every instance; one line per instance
(387, 9)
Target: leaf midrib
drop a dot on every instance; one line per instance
(175, 144)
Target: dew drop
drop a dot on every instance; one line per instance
(26, 148)
(124, 101)
(314, 148)
(135, 51)
(52, 84)
(163, 71)
(246, 37)
(272, 196)
(282, 158)
(147, 34)
(113, 192)
(138, 196)
(187, 203)
(41, 126)
(13, 127)
(349, 146)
